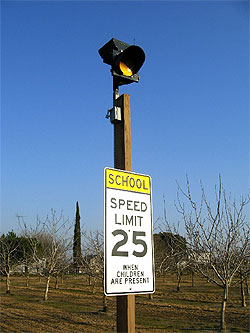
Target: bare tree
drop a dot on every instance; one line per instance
(9, 256)
(175, 251)
(170, 254)
(93, 259)
(161, 257)
(61, 267)
(26, 258)
(243, 273)
(50, 244)
(218, 239)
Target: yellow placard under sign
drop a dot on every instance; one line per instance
(128, 181)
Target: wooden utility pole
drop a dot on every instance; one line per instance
(125, 316)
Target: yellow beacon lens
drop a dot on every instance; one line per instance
(125, 69)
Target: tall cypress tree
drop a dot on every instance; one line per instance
(77, 252)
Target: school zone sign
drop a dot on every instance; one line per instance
(129, 264)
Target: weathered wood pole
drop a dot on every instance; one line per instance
(125, 315)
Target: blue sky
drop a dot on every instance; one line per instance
(189, 111)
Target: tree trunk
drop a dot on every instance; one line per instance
(178, 282)
(247, 286)
(62, 279)
(192, 279)
(8, 283)
(45, 297)
(93, 286)
(165, 279)
(150, 296)
(104, 303)
(27, 275)
(56, 283)
(27, 280)
(243, 298)
(223, 307)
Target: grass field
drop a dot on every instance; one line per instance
(74, 308)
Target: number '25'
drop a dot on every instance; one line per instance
(136, 241)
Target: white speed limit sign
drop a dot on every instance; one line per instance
(129, 264)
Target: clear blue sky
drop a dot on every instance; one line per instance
(190, 110)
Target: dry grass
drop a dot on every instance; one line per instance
(73, 307)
